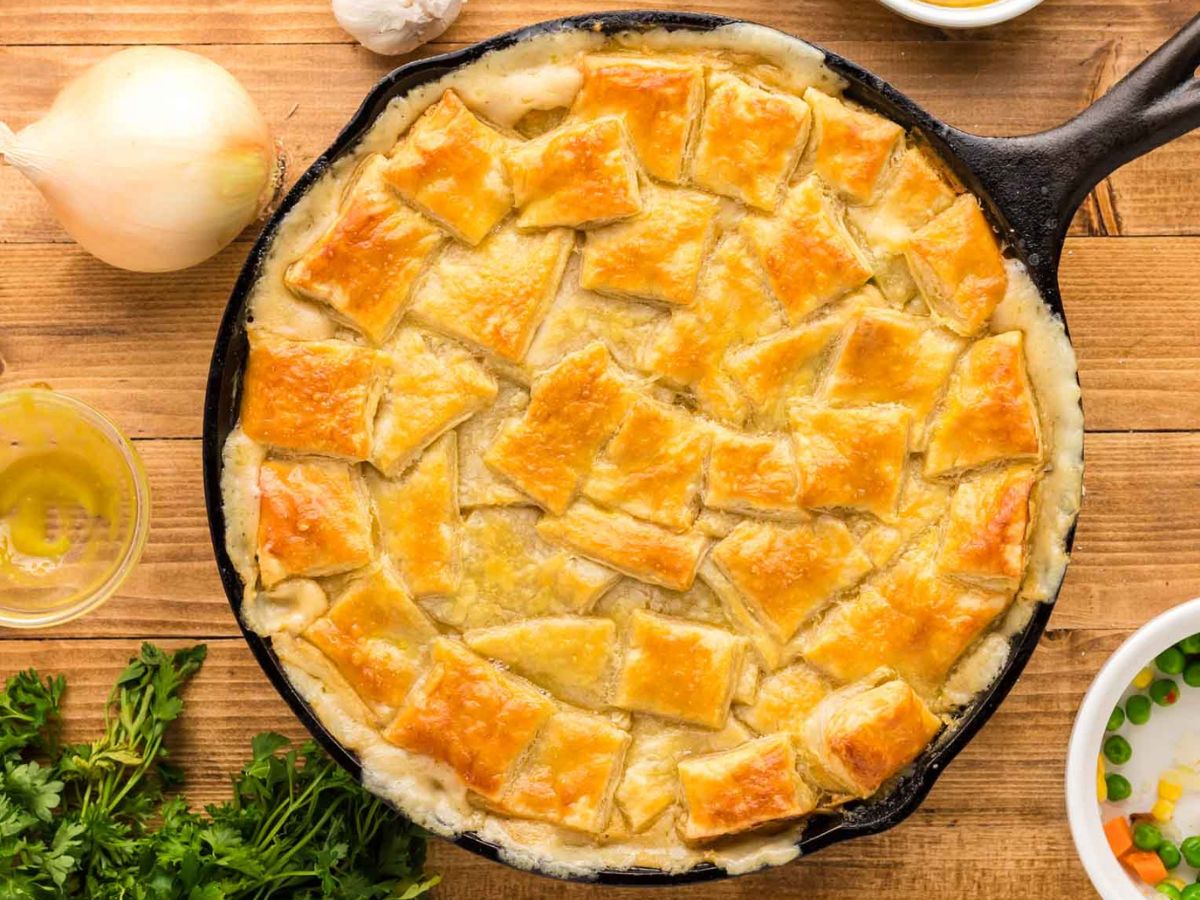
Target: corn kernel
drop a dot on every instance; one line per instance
(1163, 810)
(1169, 790)
(1143, 678)
(1101, 784)
(1177, 883)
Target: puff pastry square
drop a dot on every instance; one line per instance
(468, 715)
(743, 788)
(495, 295)
(376, 637)
(989, 412)
(477, 484)
(751, 473)
(787, 572)
(580, 174)
(750, 141)
(678, 670)
(312, 396)
(958, 267)
(653, 466)
(314, 519)
(639, 549)
(428, 394)
(450, 166)
(658, 100)
(808, 255)
(851, 458)
(785, 700)
(419, 521)
(573, 409)
(657, 254)
(851, 148)
(860, 741)
(786, 366)
(732, 307)
(984, 540)
(890, 357)
(509, 573)
(364, 266)
(570, 656)
(571, 773)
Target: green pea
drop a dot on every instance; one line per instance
(1138, 709)
(1191, 892)
(1119, 787)
(1164, 692)
(1190, 848)
(1171, 661)
(1190, 645)
(1115, 719)
(1191, 675)
(1169, 890)
(1146, 836)
(1117, 750)
(1169, 854)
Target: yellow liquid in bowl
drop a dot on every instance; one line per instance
(73, 505)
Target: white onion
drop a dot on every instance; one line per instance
(153, 159)
(392, 27)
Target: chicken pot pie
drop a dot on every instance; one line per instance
(643, 449)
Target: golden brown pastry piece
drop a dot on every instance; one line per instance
(376, 637)
(428, 393)
(891, 357)
(786, 572)
(750, 140)
(785, 700)
(450, 166)
(364, 266)
(465, 713)
(419, 521)
(851, 458)
(658, 100)
(957, 264)
(858, 739)
(989, 413)
(743, 788)
(732, 307)
(570, 773)
(580, 174)
(851, 148)
(495, 295)
(573, 409)
(312, 396)
(678, 669)
(653, 466)
(984, 538)
(751, 473)
(314, 519)
(808, 255)
(657, 254)
(640, 549)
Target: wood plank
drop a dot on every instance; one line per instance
(1137, 552)
(139, 345)
(309, 104)
(993, 825)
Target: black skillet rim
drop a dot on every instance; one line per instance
(229, 354)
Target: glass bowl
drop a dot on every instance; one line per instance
(74, 508)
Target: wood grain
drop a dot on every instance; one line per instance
(956, 837)
(139, 345)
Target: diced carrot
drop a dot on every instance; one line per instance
(1120, 835)
(1147, 865)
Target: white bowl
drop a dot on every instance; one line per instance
(960, 16)
(1106, 873)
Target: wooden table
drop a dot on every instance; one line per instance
(137, 346)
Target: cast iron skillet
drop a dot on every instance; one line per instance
(1030, 186)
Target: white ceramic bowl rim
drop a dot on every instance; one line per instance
(1107, 874)
(961, 16)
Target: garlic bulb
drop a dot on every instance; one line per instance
(392, 27)
(153, 159)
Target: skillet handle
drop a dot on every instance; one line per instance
(1038, 181)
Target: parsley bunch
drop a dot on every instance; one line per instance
(100, 820)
